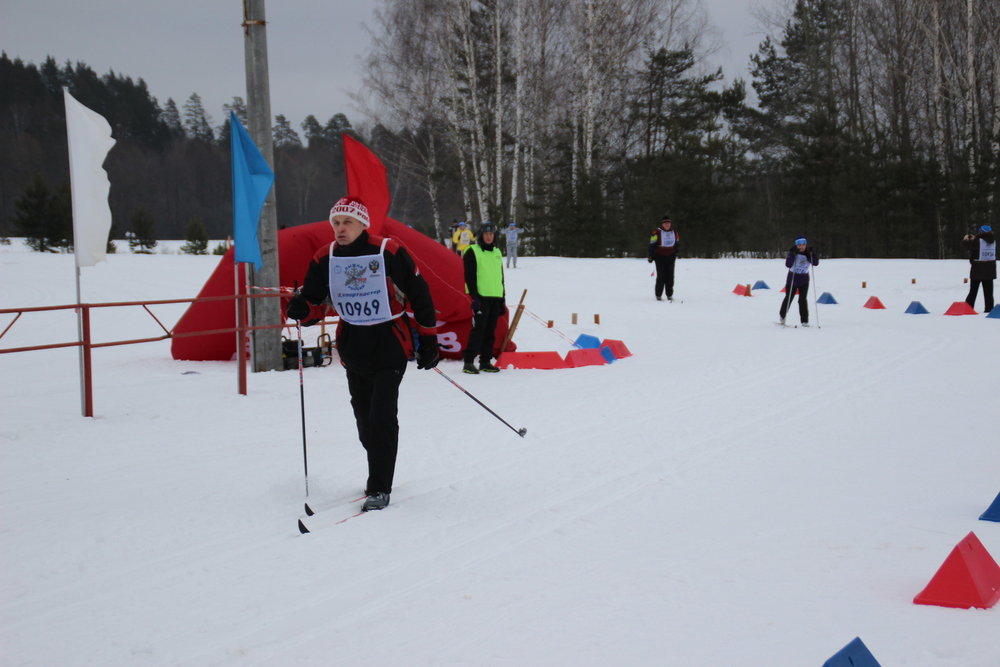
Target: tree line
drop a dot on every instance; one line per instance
(169, 169)
(875, 130)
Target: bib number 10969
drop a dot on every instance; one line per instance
(358, 308)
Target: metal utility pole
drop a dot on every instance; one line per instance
(266, 348)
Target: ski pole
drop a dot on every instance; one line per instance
(815, 300)
(302, 405)
(521, 431)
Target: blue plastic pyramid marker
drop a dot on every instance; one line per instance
(995, 313)
(855, 654)
(826, 297)
(584, 341)
(608, 354)
(992, 513)
(760, 284)
(916, 308)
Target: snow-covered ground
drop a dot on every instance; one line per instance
(735, 493)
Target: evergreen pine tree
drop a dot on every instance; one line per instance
(43, 217)
(240, 108)
(196, 237)
(284, 135)
(313, 131)
(142, 238)
(196, 120)
(171, 117)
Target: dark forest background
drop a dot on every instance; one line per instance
(865, 159)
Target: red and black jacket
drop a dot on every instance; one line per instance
(388, 344)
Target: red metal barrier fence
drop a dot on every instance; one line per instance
(86, 344)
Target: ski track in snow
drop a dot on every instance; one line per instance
(731, 494)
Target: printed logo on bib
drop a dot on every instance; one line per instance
(359, 290)
(354, 277)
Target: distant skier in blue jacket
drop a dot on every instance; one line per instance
(512, 234)
(799, 260)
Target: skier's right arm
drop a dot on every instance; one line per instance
(314, 289)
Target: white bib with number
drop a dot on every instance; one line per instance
(359, 288)
(801, 264)
(987, 251)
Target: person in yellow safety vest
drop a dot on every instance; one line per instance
(483, 264)
(462, 238)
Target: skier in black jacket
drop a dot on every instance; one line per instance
(664, 247)
(982, 248)
(799, 260)
(369, 281)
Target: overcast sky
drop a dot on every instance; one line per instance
(181, 47)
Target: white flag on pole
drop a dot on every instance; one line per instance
(89, 136)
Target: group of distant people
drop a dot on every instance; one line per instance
(462, 238)
(664, 248)
(374, 341)
(665, 243)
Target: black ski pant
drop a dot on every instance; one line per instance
(374, 397)
(665, 274)
(484, 326)
(974, 292)
(803, 289)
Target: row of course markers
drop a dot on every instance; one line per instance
(969, 577)
(588, 351)
(917, 308)
(874, 303)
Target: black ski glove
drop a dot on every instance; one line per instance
(477, 308)
(298, 308)
(428, 355)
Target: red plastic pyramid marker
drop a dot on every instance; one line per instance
(585, 357)
(539, 360)
(617, 348)
(740, 290)
(960, 308)
(873, 302)
(969, 577)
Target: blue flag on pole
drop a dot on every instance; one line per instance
(252, 180)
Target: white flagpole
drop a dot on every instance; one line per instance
(79, 335)
(89, 140)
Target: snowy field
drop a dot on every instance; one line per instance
(735, 493)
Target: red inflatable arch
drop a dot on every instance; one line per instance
(441, 268)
